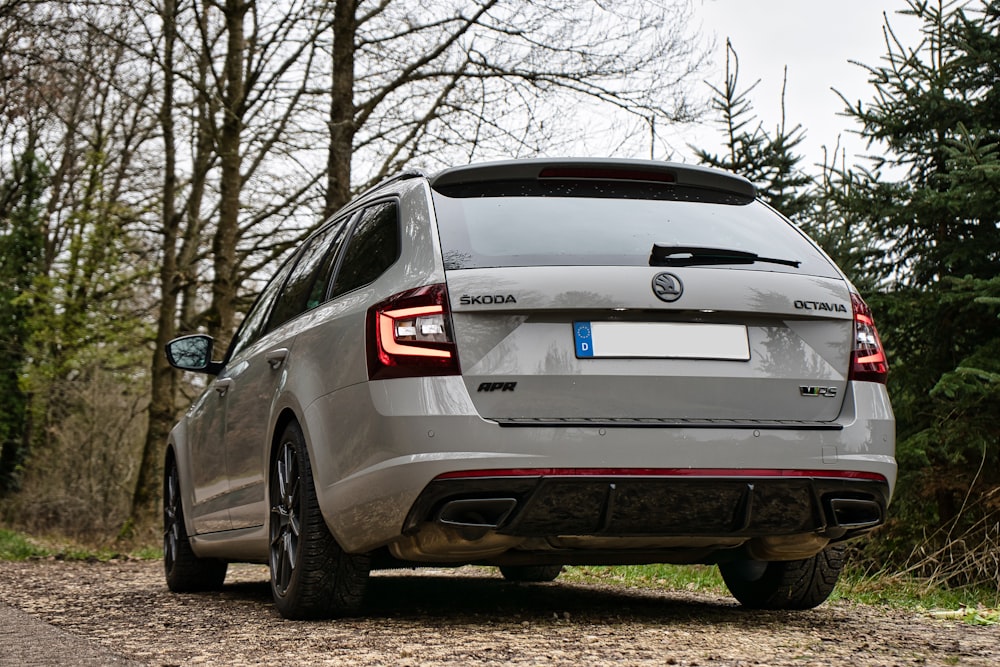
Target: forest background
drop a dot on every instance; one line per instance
(159, 157)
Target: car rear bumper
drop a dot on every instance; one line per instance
(423, 446)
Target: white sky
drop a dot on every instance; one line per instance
(816, 39)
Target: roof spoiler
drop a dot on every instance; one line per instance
(590, 169)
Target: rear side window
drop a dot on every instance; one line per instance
(373, 248)
(610, 226)
(307, 284)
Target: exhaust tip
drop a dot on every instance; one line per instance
(476, 512)
(855, 513)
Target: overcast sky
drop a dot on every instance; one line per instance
(816, 39)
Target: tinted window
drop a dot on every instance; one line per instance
(253, 323)
(324, 272)
(611, 226)
(373, 248)
(307, 283)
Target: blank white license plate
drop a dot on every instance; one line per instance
(662, 340)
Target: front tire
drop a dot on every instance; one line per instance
(311, 576)
(185, 572)
(795, 584)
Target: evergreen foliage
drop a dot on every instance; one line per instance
(767, 160)
(936, 112)
(21, 248)
(918, 231)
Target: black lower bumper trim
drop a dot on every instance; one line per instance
(548, 506)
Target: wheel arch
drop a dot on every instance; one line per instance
(176, 450)
(286, 416)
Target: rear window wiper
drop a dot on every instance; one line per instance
(682, 255)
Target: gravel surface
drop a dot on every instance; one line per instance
(451, 617)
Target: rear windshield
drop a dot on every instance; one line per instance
(513, 224)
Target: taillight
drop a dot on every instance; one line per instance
(868, 363)
(409, 334)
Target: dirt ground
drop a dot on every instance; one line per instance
(469, 617)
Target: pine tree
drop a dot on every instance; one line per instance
(936, 115)
(767, 160)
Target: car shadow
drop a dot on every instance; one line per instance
(460, 598)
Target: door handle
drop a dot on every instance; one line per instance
(223, 385)
(276, 357)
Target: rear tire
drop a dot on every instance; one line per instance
(795, 584)
(185, 572)
(311, 576)
(530, 573)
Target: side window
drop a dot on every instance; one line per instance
(306, 285)
(324, 274)
(253, 323)
(373, 248)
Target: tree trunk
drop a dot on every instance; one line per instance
(145, 499)
(338, 187)
(222, 313)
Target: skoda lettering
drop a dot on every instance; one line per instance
(486, 299)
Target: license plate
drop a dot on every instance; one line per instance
(661, 340)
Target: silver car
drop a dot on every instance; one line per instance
(532, 364)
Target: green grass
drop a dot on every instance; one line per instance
(973, 605)
(17, 546)
(14, 546)
(701, 578)
(977, 605)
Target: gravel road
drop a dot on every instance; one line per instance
(122, 611)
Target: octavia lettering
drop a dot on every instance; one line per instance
(486, 299)
(820, 305)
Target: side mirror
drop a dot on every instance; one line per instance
(192, 353)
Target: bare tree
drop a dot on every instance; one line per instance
(495, 78)
(233, 76)
(404, 85)
(193, 141)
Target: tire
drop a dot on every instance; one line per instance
(311, 576)
(795, 584)
(530, 573)
(185, 572)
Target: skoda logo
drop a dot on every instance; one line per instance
(667, 287)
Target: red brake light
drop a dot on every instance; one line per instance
(409, 334)
(868, 362)
(607, 174)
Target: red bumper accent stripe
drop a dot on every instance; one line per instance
(661, 472)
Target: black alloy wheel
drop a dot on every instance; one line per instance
(311, 576)
(285, 528)
(185, 572)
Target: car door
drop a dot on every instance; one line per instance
(260, 371)
(208, 416)
(205, 430)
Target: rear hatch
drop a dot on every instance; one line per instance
(635, 293)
